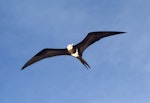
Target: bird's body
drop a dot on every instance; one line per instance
(73, 50)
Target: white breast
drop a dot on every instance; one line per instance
(76, 54)
(70, 50)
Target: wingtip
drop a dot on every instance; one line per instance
(120, 32)
(123, 32)
(23, 68)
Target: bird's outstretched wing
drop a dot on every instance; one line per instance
(92, 37)
(45, 53)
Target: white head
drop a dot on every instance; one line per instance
(70, 47)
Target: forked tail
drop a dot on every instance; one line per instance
(84, 62)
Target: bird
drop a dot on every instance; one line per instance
(72, 50)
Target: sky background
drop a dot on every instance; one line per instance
(120, 65)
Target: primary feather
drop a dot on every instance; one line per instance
(92, 37)
(79, 48)
(45, 53)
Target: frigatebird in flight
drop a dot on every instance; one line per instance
(73, 50)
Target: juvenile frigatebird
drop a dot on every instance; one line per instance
(73, 50)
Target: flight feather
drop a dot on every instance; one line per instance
(92, 37)
(45, 53)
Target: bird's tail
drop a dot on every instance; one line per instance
(84, 62)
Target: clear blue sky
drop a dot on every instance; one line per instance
(120, 65)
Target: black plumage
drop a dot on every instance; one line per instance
(91, 38)
(45, 53)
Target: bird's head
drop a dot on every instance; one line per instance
(70, 47)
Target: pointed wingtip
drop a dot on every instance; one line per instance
(123, 32)
(120, 32)
(23, 68)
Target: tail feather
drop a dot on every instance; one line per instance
(84, 62)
